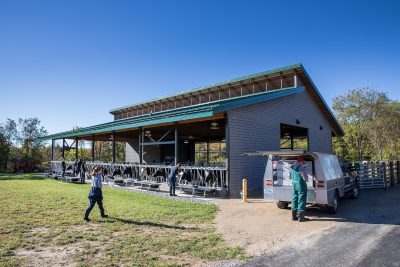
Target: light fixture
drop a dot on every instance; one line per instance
(147, 133)
(286, 134)
(214, 125)
(223, 140)
(321, 128)
(112, 137)
(297, 121)
(186, 141)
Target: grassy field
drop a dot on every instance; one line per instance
(41, 223)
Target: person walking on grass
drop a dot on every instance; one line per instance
(83, 172)
(96, 195)
(172, 179)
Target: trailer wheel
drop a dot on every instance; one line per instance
(282, 205)
(355, 192)
(333, 208)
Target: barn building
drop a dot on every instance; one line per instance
(209, 128)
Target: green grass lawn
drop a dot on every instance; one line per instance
(41, 223)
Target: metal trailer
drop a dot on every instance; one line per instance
(327, 181)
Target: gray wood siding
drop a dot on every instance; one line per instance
(257, 127)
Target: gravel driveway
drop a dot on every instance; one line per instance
(365, 232)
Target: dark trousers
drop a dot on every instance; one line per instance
(82, 177)
(63, 173)
(172, 183)
(95, 196)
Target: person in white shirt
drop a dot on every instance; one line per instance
(96, 195)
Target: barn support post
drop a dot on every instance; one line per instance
(176, 144)
(141, 140)
(113, 148)
(93, 145)
(398, 171)
(76, 148)
(63, 148)
(52, 149)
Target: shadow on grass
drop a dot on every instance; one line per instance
(27, 176)
(151, 224)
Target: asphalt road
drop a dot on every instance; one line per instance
(368, 235)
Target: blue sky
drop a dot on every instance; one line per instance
(69, 62)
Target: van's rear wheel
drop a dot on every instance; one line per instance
(282, 205)
(333, 207)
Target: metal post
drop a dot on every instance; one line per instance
(93, 146)
(391, 168)
(140, 146)
(52, 149)
(63, 147)
(208, 152)
(398, 171)
(176, 144)
(113, 149)
(76, 148)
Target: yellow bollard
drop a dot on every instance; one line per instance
(244, 190)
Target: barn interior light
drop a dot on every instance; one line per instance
(186, 141)
(223, 140)
(214, 125)
(147, 133)
(286, 134)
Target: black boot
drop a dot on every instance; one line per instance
(294, 215)
(301, 217)
(86, 219)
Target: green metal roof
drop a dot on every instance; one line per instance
(180, 114)
(235, 80)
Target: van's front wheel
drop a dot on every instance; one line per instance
(282, 205)
(333, 207)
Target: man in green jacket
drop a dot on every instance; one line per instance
(299, 175)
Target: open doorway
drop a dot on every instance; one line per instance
(294, 137)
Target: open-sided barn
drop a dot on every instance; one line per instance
(209, 128)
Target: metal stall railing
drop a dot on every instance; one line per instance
(201, 178)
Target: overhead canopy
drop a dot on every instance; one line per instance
(199, 111)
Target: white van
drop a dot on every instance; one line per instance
(327, 181)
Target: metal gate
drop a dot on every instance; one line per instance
(371, 175)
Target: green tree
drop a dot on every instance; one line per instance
(28, 138)
(370, 121)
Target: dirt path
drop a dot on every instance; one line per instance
(258, 226)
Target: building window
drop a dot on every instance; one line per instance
(210, 153)
(294, 137)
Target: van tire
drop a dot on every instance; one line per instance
(333, 208)
(355, 192)
(282, 205)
